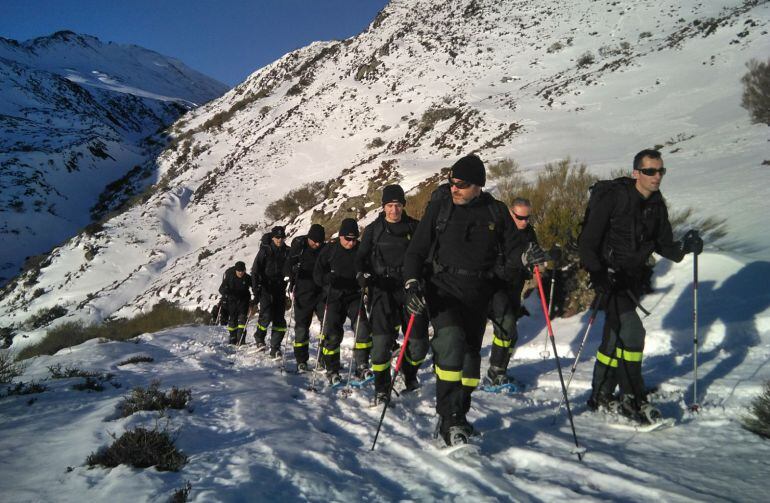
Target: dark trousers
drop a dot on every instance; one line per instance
(341, 307)
(272, 306)
(238, 310)
(305, 304)
(619, 357)
(458, 332)
(389, 316)
(502, 312)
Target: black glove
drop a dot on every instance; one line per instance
(555, 253)
(601, 282)
(533, 255)
(364, 279)
(692, 242)
(415, 300)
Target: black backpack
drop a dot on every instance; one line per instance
(598, 191)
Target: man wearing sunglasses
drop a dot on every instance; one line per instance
(335, 272)
(624, 226)
(460, 236)
(506, 301)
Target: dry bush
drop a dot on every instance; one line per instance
(153, 398)
(23, 388)
(759, 421)
(756, 91)
(296, 201)
(182, 494)
(45, 316)
(140, 448)
(136, 359)
(57, 372)
(9, 368)
(163, 315)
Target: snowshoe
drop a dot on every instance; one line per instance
(411, 385)
(260, 346)
(301, 368)
(500, 383)
(276, 354)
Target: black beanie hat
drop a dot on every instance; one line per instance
(278, 232)
(317, 233)
(349, 228)
(240, 266)
(470, 169)
(393, 194)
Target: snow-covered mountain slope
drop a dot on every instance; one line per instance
(424, 84)
(75, 115)
(255, 434)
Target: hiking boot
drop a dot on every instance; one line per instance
(334, 378)
(456, 435)
(412, 384)
(261, 345)
(301, 367)
(644, 413)
(496, 377)
(380, 398)
(454, 429)
(603, 402)
(363, 373)
(276, 354)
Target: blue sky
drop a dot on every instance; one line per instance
(225, 39)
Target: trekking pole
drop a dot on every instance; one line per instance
(594, 309)
(579, 451)
(347, 391)
(695, 407)
(219, 313)
(288, 330)
(395, 374)
(555, 257)
(320, 342)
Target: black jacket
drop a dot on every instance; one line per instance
(233, 286)
(336, 269)
(465, 253)
(300, 265)
(623, 229)
(383, 246)
(268, 266)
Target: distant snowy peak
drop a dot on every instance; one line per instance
(81, 123)
(123, 68)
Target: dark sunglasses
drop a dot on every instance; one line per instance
(349, 238)
(652, 171)
(460, 185)
(520, 217)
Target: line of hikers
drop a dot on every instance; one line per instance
(464, 263)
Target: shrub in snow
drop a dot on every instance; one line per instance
(23, 388)
(137, 359)
(181, 494)
(585, 59)
(759, 421)
(8, 367)
(153, 398)
(45, 316)
(756, 91)
(57, 372)
(163, 315)
(140, 448)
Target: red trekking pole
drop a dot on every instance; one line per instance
(579, 451)
(395, 374)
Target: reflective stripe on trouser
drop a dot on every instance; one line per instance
(457, 361)
(388, 318)
(304, 307)
(276, 336)
(239, 309)
(272, 306)
(502, 314)
(619, 357)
